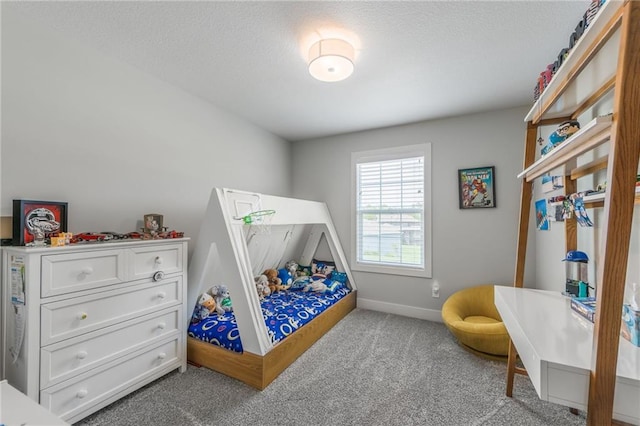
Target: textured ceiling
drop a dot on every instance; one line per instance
(414, 60)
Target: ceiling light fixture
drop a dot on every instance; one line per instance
(331, 60)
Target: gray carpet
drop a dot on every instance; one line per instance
(370, 369)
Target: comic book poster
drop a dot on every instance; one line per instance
(476, 188)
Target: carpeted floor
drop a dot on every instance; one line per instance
(371, 369)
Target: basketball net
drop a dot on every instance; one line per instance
(260, 221)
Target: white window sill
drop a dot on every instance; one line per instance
(391, 270)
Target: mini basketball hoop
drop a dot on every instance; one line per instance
(260, 219)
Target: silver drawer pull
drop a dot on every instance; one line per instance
(87, 270)
(162, 355)
(158, 260)
(162, 295)
(81, 393)
(81, 355)
(162, 326)
(82, 316)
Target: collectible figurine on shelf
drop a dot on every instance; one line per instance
(561, 134)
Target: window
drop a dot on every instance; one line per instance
(391, 206)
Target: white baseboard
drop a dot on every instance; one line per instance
(403, 310)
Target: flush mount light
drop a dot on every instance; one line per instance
(331, 60)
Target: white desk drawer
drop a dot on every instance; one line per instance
(76, 395)
(65, 273)
(146, 261)
(70, 357)
(72, 317)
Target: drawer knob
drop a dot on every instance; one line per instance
(162, 295)
(162, 355)
(81, 393)
(82, 316)
(162, 326)
(158, 260)
(158, 276)
(87, 270)
(81, 355)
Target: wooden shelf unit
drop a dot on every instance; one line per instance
(605, 59)
(594, 134)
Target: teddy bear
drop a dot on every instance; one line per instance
(262, 286)
(275, 283)
(220, 294)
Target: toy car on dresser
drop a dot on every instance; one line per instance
(91, 236)
(104, 236)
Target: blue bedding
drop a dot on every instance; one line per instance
(283, 312)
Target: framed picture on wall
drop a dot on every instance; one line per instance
(37, 221)
(477, 188)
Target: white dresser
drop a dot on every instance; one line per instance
(84, 325)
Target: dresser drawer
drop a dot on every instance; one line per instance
(70, 357)
(74, 396)
(66, 273)
(146, 261)
(72, 317)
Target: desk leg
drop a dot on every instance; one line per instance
(511, 368)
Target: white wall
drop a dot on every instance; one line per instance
(117, 143)
(470, 246)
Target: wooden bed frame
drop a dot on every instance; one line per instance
(259, 371)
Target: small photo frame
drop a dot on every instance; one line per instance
(37, 218)
(152, 223)
(542, 221)
(477, 188)
(551, 183)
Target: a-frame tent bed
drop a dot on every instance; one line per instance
(231, 252)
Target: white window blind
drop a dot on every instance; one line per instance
(390, 209)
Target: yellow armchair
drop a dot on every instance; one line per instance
(472, 317)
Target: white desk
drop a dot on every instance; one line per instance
(555, 346)
(17, 409)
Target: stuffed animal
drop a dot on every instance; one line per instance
(206, 306)
(220, 294)
(275, 283)
(292, 267)
(285, 276)
(208, 302)
(199, 313)
(318, 286)
(262, 286)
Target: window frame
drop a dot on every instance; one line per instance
(388, 154)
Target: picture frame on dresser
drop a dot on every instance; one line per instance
(31, 217)
(153, 223)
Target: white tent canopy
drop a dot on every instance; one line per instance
(231, 252)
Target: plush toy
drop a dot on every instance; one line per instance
(262, 286)
(317, 285)
(302, 271)
(199, 313)
(226, 304)
(292, 267)
(206, 306)
(285, 276)
(220, 294)
(208, 302)
(275, 283)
